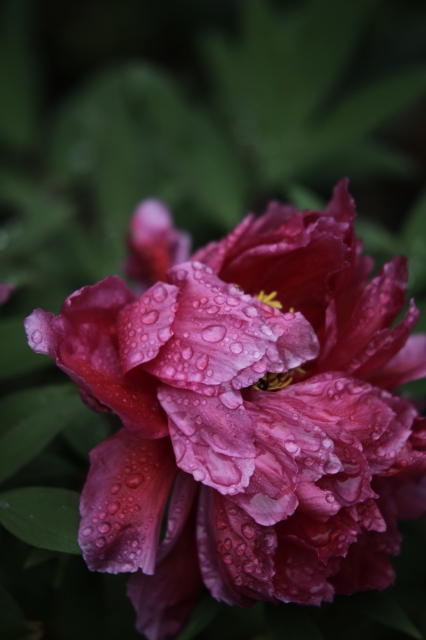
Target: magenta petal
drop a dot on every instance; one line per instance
(222, 334)
(235, 553)
(145, 325)
(212, 441)
(408, 364)
(164, 600)
(123, 502)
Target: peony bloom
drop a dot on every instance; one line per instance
(254, 387)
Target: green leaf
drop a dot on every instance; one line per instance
(376, 238)
(86, 432)
(379, 606)
(304, 198)
(200, 618)
(38, 556)
(290, 622)
(42, 517)
(31, 419)
(18, 121)
(367, 108)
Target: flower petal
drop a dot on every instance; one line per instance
(145, 325)
(212, 440)
(164, 600)
(408, 364)
(155, 245)
(243, 569)
(222, 334)
(123, 501)
(82, 341)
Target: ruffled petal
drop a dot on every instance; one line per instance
(212, 437)
(408, 364)
(145, 325)
(235, 553)
(155, 245)
(164, 600)
(123, 502)
(222, 334)
(82, 341)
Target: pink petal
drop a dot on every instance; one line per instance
(155, 245)
(212, 437)
(5, 290)
(235, 553)
(378, 306)
(408, 364)
(123, 502)
(164, 600)
(82, 342)
(221, 334)
(145, 325)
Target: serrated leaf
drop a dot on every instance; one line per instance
(42, 517)
(291, 622)
(40, 415)
(201, 616)
(379, 606)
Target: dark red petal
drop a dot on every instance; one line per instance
(236, 554)
(82, 341)
(164, 600)
(123, 502)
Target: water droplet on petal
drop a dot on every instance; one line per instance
(236, 347)
(241, 548)
(187, 353)
(213, 333)
(202, 362)
(113, 507)
(199, 475)
(250, 312)
(115, 489)
(291, 446)
(100, 542)
(87, 531)
(150, 317)
(227, 558)
(159, 293)
(104, 527)
(247, 531)
(134, 480)
(36, 336)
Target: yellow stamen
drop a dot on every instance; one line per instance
(269, 299)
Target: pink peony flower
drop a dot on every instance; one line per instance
(254, 385)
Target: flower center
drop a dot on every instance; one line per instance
(268, 298)
(276, 381)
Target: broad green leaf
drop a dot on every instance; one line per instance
(290, 622)
(367, 108)
(304, 198)
(200, 618)
(86, 432)
(379, 606)
(39, 415)
(18, 117)
(377, 240)
(16, 357)
(42, 517)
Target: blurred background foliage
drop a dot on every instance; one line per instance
(216, 107)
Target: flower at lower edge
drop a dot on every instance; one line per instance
(254, 387)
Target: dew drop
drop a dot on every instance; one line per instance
(187, 353)
(213, 333)
(104, 527)
(100, 542)
(199, 475)
(87, 531)
(236, 347)
(202, 362)
(241, 548)
(250, 312)
(113, 508)
(238, 581)
(150, 317)
(227, 558)
(134, 480)
(291, 446)
(115, 489)
(247, 531)
(36, 336)
(159, 293)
